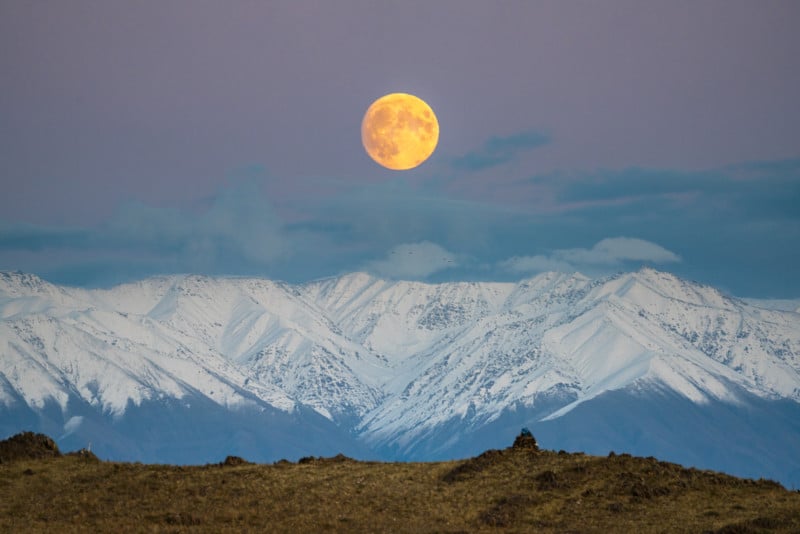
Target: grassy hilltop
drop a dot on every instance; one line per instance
(518, 489)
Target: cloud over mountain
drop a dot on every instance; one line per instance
(413, 261)
(608, 253)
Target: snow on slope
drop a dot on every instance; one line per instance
(75, 345)
(391, 359)
(399, 319)
(775, 304)
(556, 336)
(476, 370)
(276, 338)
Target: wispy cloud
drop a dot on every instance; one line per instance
(607, 253)
(237, 232)
(499, 150)
(239, 223)
(759, 189)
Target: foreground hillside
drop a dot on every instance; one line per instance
(516, 489)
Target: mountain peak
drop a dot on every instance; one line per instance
(18, 283)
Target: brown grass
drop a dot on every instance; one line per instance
(513, 490)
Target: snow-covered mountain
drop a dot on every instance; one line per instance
(776, 304)
(641, 361)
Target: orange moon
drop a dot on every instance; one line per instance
(399, 131)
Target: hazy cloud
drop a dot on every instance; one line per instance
(413, 261)
(499, 150)
(386, 214)
(239, 222)
(610, 252)
(743, 216)
(535, 264)
(237, 232)
(763, 190)
(29, 237)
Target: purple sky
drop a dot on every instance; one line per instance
(224, 138)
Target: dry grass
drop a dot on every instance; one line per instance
(514, 490)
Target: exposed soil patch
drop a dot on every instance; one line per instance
(473, 466)
(505, 510)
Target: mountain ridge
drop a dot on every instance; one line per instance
(399, 366)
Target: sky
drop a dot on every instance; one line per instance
(223, 138)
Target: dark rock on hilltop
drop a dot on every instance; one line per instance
(525, 440)
(27, 445)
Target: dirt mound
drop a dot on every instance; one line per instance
(473, 466)
(27, 445)
(232, 461)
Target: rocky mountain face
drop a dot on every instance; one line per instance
(191, 368)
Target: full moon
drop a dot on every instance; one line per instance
(399, 131)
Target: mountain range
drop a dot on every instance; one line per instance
(188, 369)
